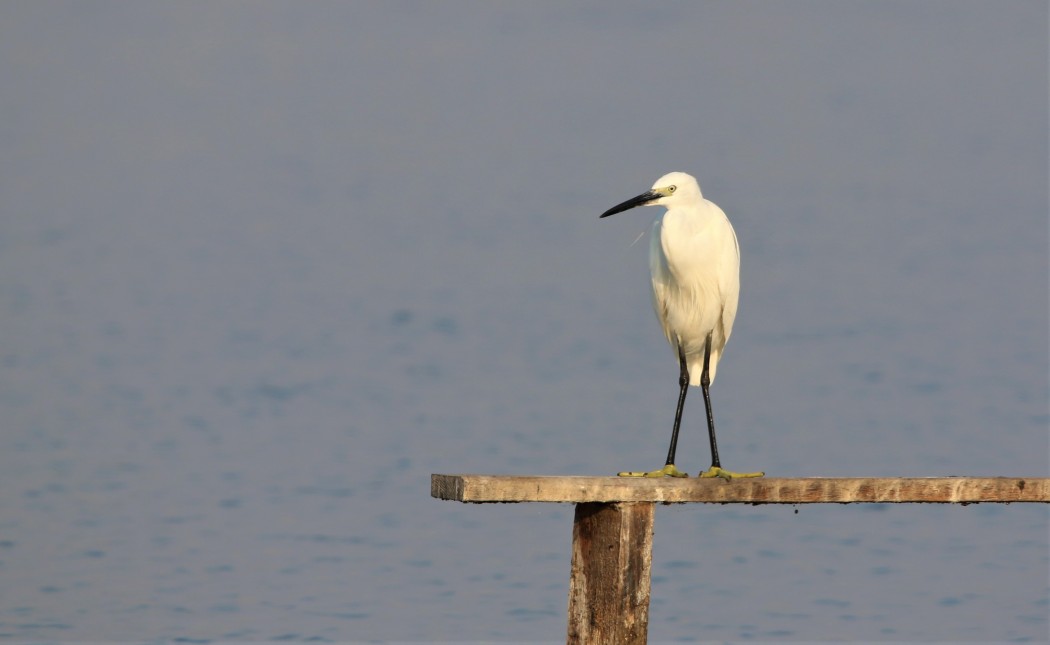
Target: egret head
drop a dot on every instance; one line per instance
(673, 188)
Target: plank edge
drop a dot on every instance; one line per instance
(491, 489)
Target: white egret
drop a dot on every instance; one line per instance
(694, 259)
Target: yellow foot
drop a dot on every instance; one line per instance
(667, 471)
(715, 471)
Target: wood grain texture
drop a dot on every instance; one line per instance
(612, 555)
(765, 490)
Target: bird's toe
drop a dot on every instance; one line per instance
(667, 471)
(717, 471)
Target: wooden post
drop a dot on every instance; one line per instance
(612, 556)
(612, 533)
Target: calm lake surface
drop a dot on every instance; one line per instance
(265, 267)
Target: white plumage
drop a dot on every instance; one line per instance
(694, 259)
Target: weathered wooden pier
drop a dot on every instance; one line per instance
(612, 534)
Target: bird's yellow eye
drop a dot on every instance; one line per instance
(671, 189)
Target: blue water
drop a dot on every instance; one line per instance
(265, 267)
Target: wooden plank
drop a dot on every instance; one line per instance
(612, 555)
(765, 490)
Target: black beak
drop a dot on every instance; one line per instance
(644, 198)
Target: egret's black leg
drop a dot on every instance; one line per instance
(705, 385)
(669, 469)
(716, 469)
(683, 383)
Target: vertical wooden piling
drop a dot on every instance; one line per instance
(612, 555)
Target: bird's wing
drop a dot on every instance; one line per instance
(729, 282)
(661, 282)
